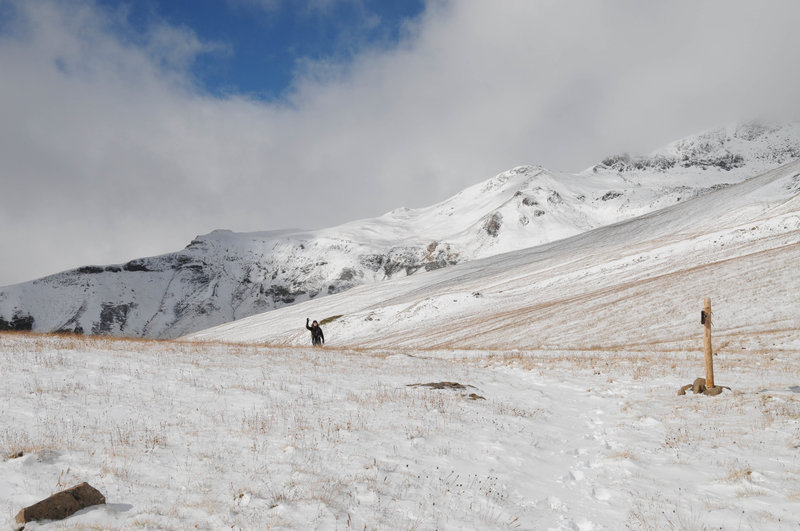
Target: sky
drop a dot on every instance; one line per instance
(129, 127)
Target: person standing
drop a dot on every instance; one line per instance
(317, 337)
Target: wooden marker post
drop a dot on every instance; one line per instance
(706, 320)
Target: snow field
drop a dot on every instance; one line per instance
(183, 435)
(632, 283)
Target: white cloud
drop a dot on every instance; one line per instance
(108, 151)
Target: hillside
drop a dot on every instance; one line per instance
(223, 276)
(633, 284)
(183, 435)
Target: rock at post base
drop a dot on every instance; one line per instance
(62, 504)
(699, 385)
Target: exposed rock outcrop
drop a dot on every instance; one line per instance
(17, 323)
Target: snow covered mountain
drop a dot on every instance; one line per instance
(634, 285)
(224, 276)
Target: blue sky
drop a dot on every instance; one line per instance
(255, 47)
(128, 128)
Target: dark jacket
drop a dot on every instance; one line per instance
(317, 337)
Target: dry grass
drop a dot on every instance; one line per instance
(286, 420)
(659, 512)
(639, 366)
(16, 444)
(623, 454)
(738, 473)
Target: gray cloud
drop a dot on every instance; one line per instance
(109, 152)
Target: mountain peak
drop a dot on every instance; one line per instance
(750, 147)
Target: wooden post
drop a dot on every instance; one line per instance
(707, 343)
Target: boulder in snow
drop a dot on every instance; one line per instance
(62, 504)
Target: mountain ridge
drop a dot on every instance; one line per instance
(224, 276)
(630, 285)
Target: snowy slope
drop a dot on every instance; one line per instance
(225, 276)
(633, 284)
(188, 436)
